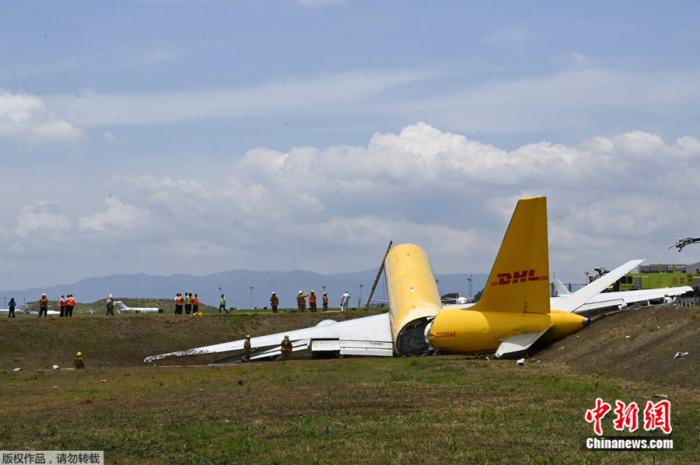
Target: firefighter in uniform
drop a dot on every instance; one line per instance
(274, 302)
(312, 301)
(78, 361)
(301, 302)
(286, 347)
(44, 306)
(324, 300)
(247, 349)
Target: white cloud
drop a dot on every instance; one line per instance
(451, 194)
(41, 218)
(579, 58)
(611, 198)
(578, 99)
(27, 117)
(117, 217)
(320, 94)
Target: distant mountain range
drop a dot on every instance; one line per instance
(236, 286)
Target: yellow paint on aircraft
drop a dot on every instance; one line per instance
(413, 293)
(515, 300)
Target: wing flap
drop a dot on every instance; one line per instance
(518, 343)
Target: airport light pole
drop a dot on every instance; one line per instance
(251, 297)
(469, 280)
(359, 299)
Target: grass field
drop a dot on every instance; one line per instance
(437, 410)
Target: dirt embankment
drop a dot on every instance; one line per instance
(639, 345)
(30, 342)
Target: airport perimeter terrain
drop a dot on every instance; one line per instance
(426, 410)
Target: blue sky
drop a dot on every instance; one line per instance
(140, 136)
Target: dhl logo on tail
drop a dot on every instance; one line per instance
(517, 277)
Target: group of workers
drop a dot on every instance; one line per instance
(189, 303)
(286, 348)
(301, 302)
(66, 304)
(313, 307)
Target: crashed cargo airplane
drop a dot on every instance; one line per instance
(513, 313)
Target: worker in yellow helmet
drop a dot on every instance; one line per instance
(78, 361)
(247, 349)
(286, 347)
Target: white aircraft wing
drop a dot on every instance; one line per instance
(623, 299)
(573, 301)
(370, 336)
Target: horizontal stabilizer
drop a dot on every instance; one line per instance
(518, 343)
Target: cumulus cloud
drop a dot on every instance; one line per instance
(611, 198)
(118, 216)
(27, 117)
(452, 194)
(41, 218)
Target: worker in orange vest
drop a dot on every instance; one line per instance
(301, 302)
(179, 302)
(70, 304)
(195, 305)
(312, 301)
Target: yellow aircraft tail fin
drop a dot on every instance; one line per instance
(519, 279)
